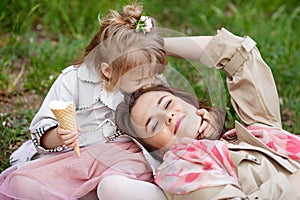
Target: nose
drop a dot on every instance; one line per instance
(160, 113)
(169, 117)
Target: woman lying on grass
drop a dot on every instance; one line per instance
(262, 164)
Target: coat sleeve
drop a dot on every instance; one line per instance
(44, 120)
(250, 81)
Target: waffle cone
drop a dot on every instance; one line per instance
(66, 117)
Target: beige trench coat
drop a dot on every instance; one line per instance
(261, 171)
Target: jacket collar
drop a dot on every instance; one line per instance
(88, 74)
(244, 135)
(111, 99)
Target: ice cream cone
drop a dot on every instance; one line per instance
(66, 117)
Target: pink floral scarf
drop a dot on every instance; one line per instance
(279, 140)
(194, 164)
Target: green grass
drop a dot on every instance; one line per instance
(40, 38)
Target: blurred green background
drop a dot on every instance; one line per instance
(40, 38)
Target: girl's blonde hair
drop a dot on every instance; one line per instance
(119, 45)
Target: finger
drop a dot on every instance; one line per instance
(61, 131)
(204, 114)
(200, 112)
(211, 132)
(203, 126)
(70, 136)
(71, 143)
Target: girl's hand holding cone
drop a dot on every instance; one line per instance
(66, 117)
(68, 137)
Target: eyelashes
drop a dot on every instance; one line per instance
(168, 104)
(138, 81)
(155, 125)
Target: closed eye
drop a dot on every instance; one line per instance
(138, 81)
(154, 126)
(168, 104)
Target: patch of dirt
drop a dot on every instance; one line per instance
(16, 103)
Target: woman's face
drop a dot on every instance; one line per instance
(159, 117)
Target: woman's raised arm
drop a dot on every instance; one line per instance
(250, 81)
(190, 48)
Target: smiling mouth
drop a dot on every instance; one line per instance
(178, 124)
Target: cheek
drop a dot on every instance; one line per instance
(135, 118)
(140, 130)
(192, 132)
(162, 139)
(186, 133)
(189, 128)
(157, 142)
(127, 87)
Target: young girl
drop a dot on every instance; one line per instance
(125, 41)
(263, 163)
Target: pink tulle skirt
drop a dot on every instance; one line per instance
(66, 176)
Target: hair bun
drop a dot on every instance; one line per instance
(133, 11)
